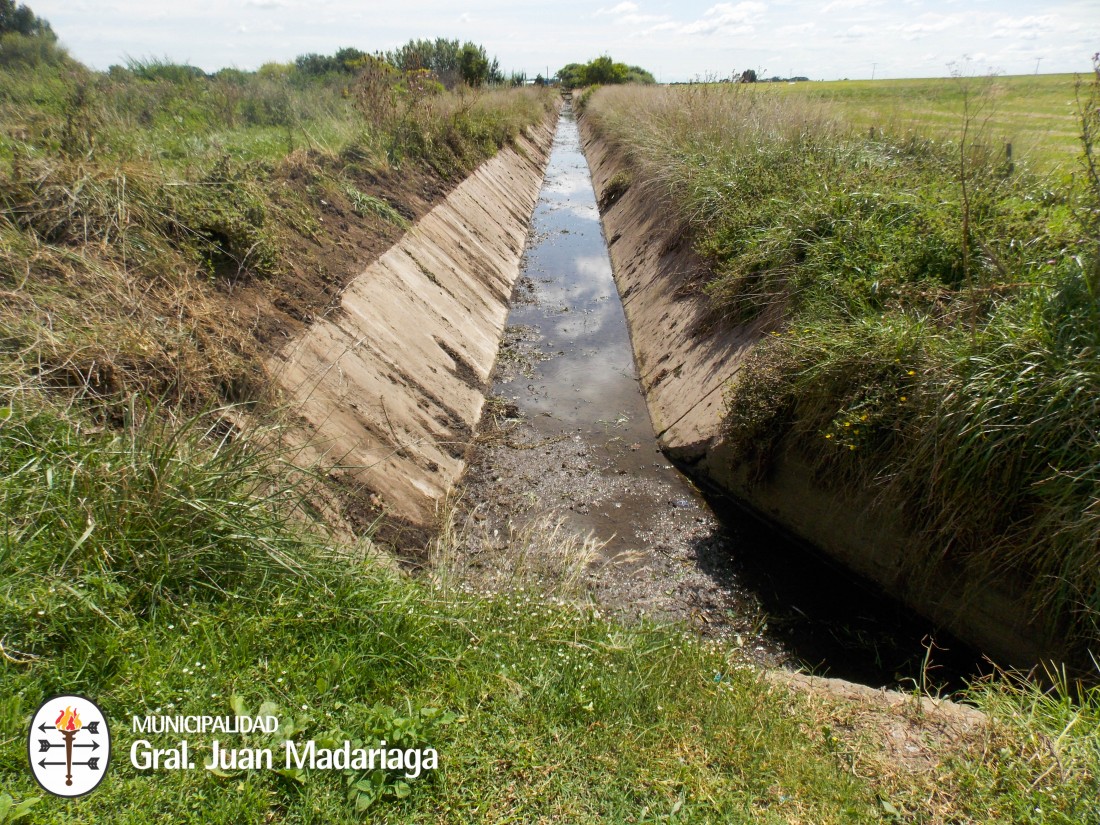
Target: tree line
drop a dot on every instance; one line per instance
(601, 71)
(450, 61)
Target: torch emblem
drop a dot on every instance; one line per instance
(69, 745)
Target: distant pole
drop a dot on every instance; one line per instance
(873, 67)
(1038, 60)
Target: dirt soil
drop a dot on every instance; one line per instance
(317, 267)
(388, 382)
(320, 265)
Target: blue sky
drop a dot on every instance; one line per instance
(676, 41)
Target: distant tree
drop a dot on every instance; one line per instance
(21, 20)
(748, 76)
(450, 61)
(275, 70)
(602, 70)
(473, 65)
(540, 80)
(571, 75)
(346, 61)
(442, 57)
(232, 76)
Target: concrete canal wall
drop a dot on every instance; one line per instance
(389, 388)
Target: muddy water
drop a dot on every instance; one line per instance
(568, 436)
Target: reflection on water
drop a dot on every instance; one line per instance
(592, 380)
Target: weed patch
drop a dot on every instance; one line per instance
(929, 315)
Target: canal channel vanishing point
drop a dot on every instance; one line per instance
(566, 444)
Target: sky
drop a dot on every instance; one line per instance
(676, 41)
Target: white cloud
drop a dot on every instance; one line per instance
(1025, 28)
(1045, 22)
(798, 28)
(857, 32)
(847, 5)
(929, 24)
(622, 8)
(667, 26)
(260, 27)
(726, 19)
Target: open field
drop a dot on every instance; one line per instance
(1037, 114)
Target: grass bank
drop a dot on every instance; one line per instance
(163, 230)
(162, 570)
(931, 315)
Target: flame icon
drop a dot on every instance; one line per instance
(68, 720)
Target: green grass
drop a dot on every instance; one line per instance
(161, 570)
(133, 203)
(932, 316)
(1037, 114)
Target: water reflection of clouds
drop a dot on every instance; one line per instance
(594, 267)
(566, 214)
(583, 283)
(578, 313)
(584, 211)
(565, 182)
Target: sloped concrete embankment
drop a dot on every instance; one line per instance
(389, 387)
(684, 363)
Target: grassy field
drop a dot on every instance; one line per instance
(1037, 114)
(163, 571)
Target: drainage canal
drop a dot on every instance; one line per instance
(567, 437)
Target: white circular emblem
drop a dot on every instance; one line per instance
(69, 745)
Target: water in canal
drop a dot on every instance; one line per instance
(569, 435)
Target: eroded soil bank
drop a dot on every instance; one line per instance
(567, 438)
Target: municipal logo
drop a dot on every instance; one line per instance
(69, 745)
